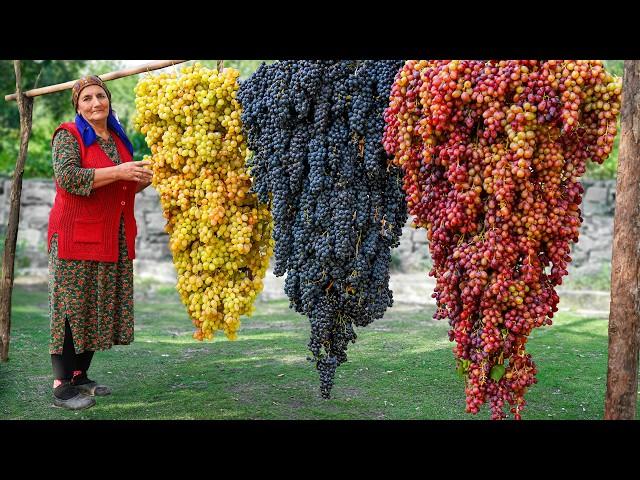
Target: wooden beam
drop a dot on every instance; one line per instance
(147, 67)
(624, 316)
(25, 106)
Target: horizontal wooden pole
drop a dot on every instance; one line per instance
(147, 67)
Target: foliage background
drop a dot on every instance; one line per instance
(51, 110)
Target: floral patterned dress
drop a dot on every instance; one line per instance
(95, 297)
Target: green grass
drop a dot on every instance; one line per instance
(401, 367)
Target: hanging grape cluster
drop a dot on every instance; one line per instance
(315, 128)
(492, 153)
(220, 235)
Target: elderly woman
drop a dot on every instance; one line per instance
(91, 236)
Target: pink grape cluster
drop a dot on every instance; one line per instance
(492, 154)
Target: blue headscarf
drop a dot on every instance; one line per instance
(89, 134)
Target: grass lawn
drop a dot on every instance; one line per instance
(401, 367)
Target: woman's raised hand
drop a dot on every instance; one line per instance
(134, 171)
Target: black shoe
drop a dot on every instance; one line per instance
(69, 397)
(89, 387)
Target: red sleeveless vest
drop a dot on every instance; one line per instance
(87, 227)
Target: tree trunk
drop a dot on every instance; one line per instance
(624, 316)
(25, 106)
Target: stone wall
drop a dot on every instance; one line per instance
(154, 257)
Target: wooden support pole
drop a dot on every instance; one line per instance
(25, 106)
(220, 66)
(147, 67)
(624, 315)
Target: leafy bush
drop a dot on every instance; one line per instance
(38, 161)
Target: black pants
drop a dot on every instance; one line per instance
(64, 364)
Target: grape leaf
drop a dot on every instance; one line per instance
(497, 371)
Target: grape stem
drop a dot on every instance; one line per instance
(329, 287)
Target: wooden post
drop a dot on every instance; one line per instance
(25, 106)
(624, 316)
(220, 66)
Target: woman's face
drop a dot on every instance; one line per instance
(93, 103)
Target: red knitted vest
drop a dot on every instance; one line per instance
(87, 227)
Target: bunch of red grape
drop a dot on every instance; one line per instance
(492, 153)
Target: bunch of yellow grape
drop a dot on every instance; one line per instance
(220, 235)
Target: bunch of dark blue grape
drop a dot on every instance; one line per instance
(315, 129)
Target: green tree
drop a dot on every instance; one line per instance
(52, 109)
(616, 67)
(48, 111)
(35, 74)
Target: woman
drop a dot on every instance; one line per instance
(91, 237)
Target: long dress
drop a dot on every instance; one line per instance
(95, 297)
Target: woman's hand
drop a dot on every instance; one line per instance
(142, 185)
(130, 171)
(134, 172)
